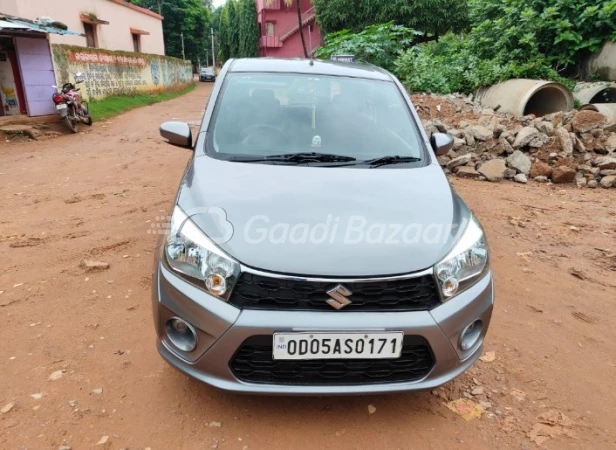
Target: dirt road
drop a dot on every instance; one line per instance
(78, 359)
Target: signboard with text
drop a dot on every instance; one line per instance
(343, 58)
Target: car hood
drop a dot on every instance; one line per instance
(344, 222)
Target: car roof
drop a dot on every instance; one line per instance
(307, 66)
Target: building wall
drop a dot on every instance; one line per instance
(115, 36)
(292, 47)
(9, 7)
(110, 73)
(285, 18)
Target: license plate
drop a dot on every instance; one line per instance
(61, 106)
(368, 345)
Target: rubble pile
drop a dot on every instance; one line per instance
(573, 147)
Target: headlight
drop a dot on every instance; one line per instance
(190, 252)
(461, 268)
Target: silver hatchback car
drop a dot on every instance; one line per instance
(316, 246)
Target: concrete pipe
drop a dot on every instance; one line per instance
(599, 92)
(602, 63)
(521, 97)
(607, 109)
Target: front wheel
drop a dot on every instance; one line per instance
(85, 114)
(71, 125)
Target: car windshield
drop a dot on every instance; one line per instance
(207, 71)
(260, 115)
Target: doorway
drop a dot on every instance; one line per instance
(12, 101)
(37, 74)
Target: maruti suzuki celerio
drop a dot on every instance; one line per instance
(315, 245)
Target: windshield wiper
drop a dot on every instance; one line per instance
(311, 157)
(299, 158)
(385, 160)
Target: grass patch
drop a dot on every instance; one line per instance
(112, 106)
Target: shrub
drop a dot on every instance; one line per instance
(451, 65)
(557, 31)
(377, 44)
(434, 17)
(508, 39)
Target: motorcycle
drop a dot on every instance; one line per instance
(72, 110)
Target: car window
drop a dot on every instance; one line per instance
(260, 114)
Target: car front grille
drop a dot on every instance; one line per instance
(253, 363)
(254, 291)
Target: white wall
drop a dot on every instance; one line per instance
(8, 7)
(115, 36)
(110, 73)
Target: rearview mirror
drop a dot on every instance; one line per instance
(441, 143)
(177, 133)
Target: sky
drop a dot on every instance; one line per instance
(217, 3)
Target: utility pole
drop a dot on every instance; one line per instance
(182, 37)
(207, 59)
(213, 49)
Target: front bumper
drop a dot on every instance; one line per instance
(222, 329)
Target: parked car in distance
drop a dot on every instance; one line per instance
(207, 74)
(316, 246)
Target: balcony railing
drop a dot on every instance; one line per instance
(307, 16)
(315, 46)
(270, 41)
(273, 5)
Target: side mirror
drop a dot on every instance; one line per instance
(177, 133)
(441, 143)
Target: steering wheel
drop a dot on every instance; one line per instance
(261, 130)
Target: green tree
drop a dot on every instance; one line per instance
(432, 17)
(223, 31)
(216, 17)
(233, 30)
(237, 29)
(188, 17)
(249, 29)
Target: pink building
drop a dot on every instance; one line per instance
(279, 25)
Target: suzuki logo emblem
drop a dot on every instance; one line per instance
(339, 296)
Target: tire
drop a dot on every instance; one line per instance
(73, 126)
(86, 114)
